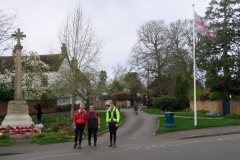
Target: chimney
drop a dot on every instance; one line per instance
(63, 49)
(74, 63)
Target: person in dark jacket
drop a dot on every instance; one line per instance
(135, 107)
(39, 113)
(93, 124)
(79, 123)
(112, 120)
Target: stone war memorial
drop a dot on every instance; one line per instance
(17, 111)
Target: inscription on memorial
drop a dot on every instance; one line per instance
(18, 109)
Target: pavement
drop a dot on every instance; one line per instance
(19, 148)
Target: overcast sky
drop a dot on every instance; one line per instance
(115, 21)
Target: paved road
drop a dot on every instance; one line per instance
(135, 141)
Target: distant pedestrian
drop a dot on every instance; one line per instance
(79, 123)
(39, 113)
(93, 124)
(135, 107)
(112, 120)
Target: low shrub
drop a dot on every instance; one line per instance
(4, 136)
(199, 92)
(55, 128)
(121, 96)
(168, 103)
(183, 102)
(202, 111)
(204, 97)
(217, 96)
(236, 97)
(214, 113)
(188, 110)
(39, 135)
(232, 116)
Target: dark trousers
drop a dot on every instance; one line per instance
(113, 132)
(92, 130)
(79, 132)
(39, 118)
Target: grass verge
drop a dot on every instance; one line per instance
(188, 124)
(5, 143)
(183, 113)
(49, 139)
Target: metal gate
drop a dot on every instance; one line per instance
(226, 108)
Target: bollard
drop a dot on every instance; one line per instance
(32, 130)
(8, 129)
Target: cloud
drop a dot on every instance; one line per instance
(115, 21)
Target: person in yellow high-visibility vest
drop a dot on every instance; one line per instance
(112, 120)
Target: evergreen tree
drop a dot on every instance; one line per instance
(220, 61)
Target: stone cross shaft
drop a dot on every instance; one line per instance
(18, 67)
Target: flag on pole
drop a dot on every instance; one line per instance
(201, 28)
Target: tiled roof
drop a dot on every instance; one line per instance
(53, 60)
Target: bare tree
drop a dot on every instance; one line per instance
(119, 72)
(151, 50)
(83, 47)
(179, 34)
(7, 26)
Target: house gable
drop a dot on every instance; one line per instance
(54, 61)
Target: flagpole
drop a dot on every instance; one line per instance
(194, 73)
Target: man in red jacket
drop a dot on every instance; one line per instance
(79, 122)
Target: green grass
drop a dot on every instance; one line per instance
(5, 143)
(188, 124)
(49, 139)
(183, 113)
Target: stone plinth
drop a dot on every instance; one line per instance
(17, 114)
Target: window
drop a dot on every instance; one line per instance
(44, 81)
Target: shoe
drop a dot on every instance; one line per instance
(89, 144)
(79, 147)
(95, 146)
(114, 146)
(110, 145)
(74, 146)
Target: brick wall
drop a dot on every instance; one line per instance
(3, 108)
(47, 106)
(98, 104)
(208, 105)
(235, 107)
